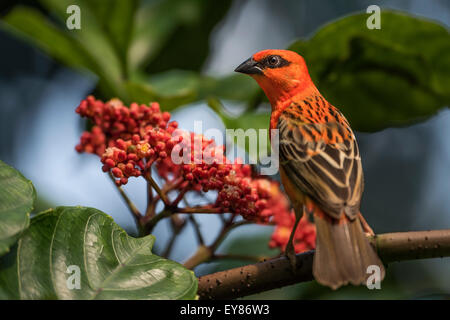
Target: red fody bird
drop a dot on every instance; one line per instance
(320, 167)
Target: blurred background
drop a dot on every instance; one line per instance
(185, 52)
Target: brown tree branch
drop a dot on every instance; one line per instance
(277, 273)
(199, 209)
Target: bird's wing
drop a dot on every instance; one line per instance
(322, 160)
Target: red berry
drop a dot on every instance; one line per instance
(117, 172)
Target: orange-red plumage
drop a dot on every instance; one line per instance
(320, 165)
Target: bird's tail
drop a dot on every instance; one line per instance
(343, 252)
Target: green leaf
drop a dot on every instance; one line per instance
(95, 39)
(248, 121)
(116, 18)
(88, 48)
(155, 22)
(17, 196)
(175, 88)
(185, 44)
(33, 26)
(119, 38)
(170, 89)
(140, 92)
(112, 264)
(381, 78)
(234, 87)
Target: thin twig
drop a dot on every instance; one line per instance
(226, 229)
(197, 230)
(150, 224)
(196, 225)
(133, 209)
(180, 196)
(150, 211)
(222, 218)
(169, 246)
(155, 186)
(205, 253)
(172, 185)
(199, 209)
(177, 226)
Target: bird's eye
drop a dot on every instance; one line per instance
(273, 61)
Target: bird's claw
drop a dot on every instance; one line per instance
(290, 254)
(365, 226)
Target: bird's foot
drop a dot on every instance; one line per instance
(369, 234)
(290, 254)
(366, 228)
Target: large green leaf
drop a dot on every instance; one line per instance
(117, 19)
(96, 40)
(233, 87)
(186, 45)
(175, 88)
(112, 264)
(91, 48)
(34, 27)
(171, 89)
(381, 78)
(17, 196)
(155, 22)
(119, 38)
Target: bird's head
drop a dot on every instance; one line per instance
(280, 73)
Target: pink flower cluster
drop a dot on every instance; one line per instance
(129, 140)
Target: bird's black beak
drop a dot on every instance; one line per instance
(249, 66)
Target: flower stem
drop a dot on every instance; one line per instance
(197, 230)
(155, 186)
(133, 209)
(178, 225)
(180, 196)
(150, 211)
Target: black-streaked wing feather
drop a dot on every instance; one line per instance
(331, 174)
